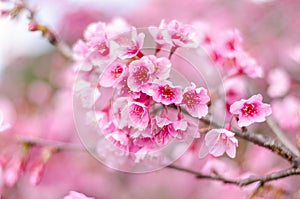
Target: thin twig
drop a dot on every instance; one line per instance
(262, 141)
(240, 182)
(57, 145)
(47, 33)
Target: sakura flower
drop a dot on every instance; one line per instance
(195, 101)
(81, 50)
(113, 74)
(96, 38)
(279, 82)
(174, 33)
(217, 142)
(162, 67)
(287, 112)
(165, 93)
(139, 74)
(250, 110)
(132, 47)
(76, 195)
(163, 129)
(138, 115)
(231, 40)
(247, 65)
(120, 139)
(120, 116)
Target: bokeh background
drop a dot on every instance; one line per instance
(36, 95)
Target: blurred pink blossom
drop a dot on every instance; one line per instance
(235, 89)
(287, 112)
(279, 82)
(217, 142)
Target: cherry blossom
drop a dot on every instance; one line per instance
(97, 39)
(139, 73)
(164, 92)
(119, 138)
(76, 195)
(162, 66)
(251, 110)
(131, 48)
(113, 74)
(174, 33)
(138, 115)
(195, 101)
(279, 82)
(217, 142)
(163, 129)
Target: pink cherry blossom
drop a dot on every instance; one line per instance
(113, 74)
(287, 112)
(138, 115)
(120, 138)
(251, 110)
(96, 38)
(174, 33)
(279, 82)
(76, 195)
(163, 129)
(139, 74)
(165, 93)
(131, 47)
(162, 66)
(230, 40)
(217, 142)
(195, 101)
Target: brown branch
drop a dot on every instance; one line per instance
(262, 141)
(240, 182)
(47, 33)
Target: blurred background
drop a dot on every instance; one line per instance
(36, 96)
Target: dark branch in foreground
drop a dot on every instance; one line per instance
(240, 182)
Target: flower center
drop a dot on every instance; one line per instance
(137, 110)
(190, 99)
(116, 72)
(142, 74)
(249, 109)
(166, 92)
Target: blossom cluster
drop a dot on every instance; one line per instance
(144, 108)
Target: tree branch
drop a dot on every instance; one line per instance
(59, 146)
(262, 141)
(240, 182)
(47, 33)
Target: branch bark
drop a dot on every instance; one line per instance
(240, 182)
